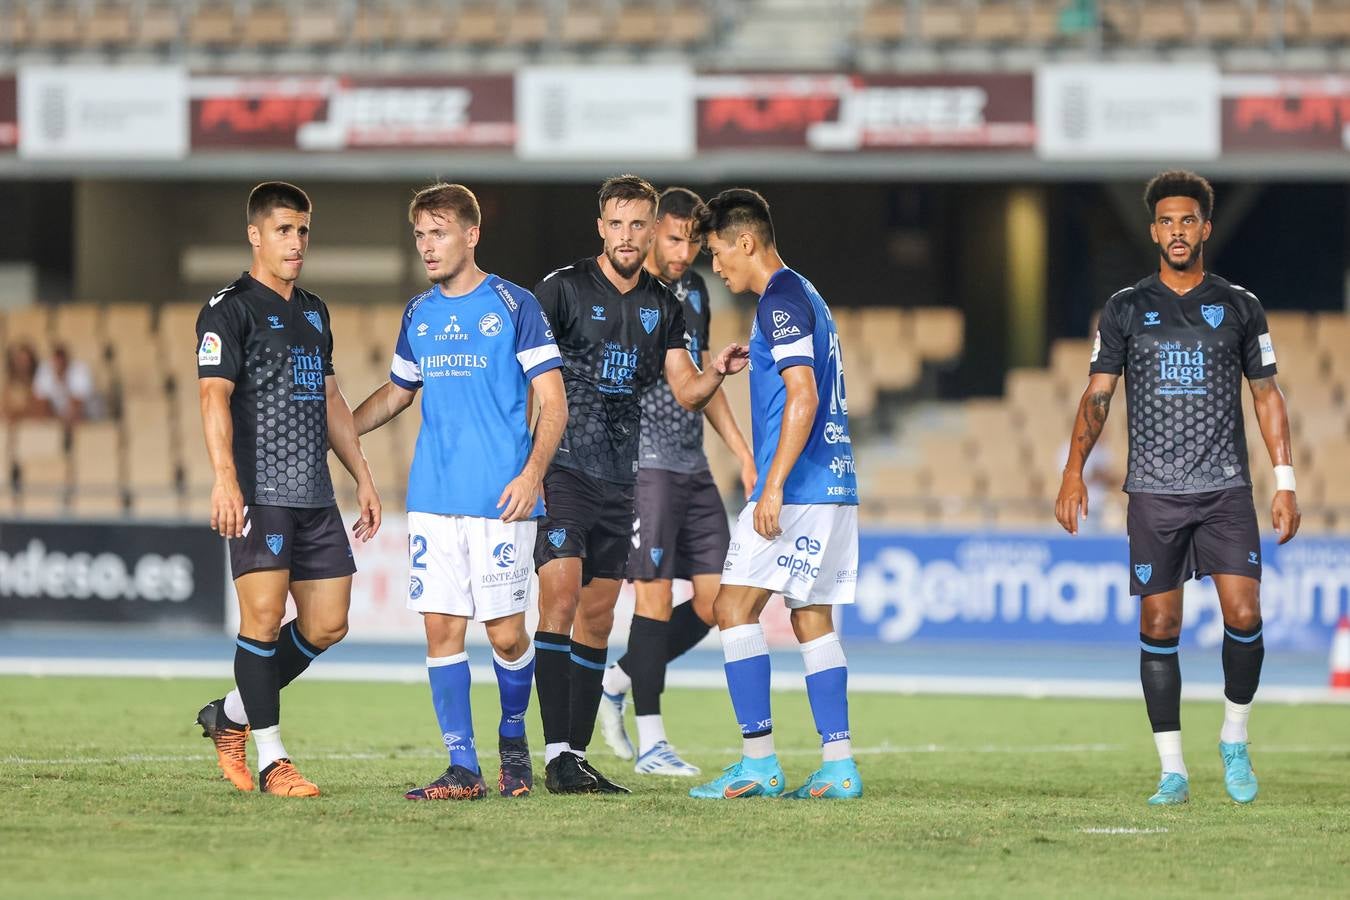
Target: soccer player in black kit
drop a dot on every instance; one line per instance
(619, 329)
(1184, 338)
(271, 408)
(681, 529)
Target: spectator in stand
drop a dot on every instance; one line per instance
(19, 399)
(66, 386)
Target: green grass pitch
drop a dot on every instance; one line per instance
(109, 792)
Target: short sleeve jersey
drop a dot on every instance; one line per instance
(1183, 358)
(672, 436)
(613, 347)
(278, 353)
(473, 357)
(793, 327)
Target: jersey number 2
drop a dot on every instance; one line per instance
(417, 546)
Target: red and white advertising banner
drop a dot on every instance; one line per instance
(345, 113)
(9, 113)
(1293, 112)
(844, 113)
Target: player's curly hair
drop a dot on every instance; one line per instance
(272, 195)
(1180, 183)
(454, 199)
(737, 208)
(627, 187)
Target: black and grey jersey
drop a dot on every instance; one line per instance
(613, 347)
(672, 436)
(278, 353)
(1183, 358)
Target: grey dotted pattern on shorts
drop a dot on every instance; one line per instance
(1183, 444)
(290, 438)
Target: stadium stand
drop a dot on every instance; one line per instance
(983, 461)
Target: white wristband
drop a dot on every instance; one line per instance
(1284, 478)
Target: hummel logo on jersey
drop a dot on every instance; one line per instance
(1213, 314)
(598, 314)
(1143, 571)
(1152, 318)
(556, 536)
(315, 319)
(657, 553)
(504, 554)
(275, 322)
(274, 542)
(649, 318)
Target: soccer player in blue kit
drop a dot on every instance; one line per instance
(799, 534)
(1184, 338)
(475, 344)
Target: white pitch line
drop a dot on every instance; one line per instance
(1122, 831)
(880, 750)
(962, 685)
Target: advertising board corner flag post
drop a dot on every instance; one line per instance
(1340, 655)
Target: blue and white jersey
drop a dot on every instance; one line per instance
(474, 357)
(793, 327)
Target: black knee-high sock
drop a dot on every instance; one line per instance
(552, 680)
(294, 653)
(1243, 653)
(686, 630)
(1160, 674)
(255, 674)
(588, 671)
(646, 663)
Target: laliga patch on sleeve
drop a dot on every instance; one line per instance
(1096, 347)
(208, 354)
(1267, 349)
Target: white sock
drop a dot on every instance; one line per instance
(234, 707)
(1169, 752)
(616, 680)
(268, 743)
(651, 731)
(1235, 717)
(553, 751)
(836, 750)
(757, 747)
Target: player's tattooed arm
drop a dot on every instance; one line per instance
(346, 445)
(227, 501)
(1273, 417)
(1072, 503)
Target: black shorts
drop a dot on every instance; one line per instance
(1176, 537)
(586, 517)
(312, 543)
(681, 526)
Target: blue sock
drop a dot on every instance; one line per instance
(449, 676)
(514, 680)
(747, 668)
(827, 689)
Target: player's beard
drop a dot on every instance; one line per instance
(624, 271)
(1191, 258)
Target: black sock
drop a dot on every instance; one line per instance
(552, 677)
(686, 630)
(646, 663)
(1243, 653)
(588, 670)
(255, 674)
(1160, 674)
(294, 653)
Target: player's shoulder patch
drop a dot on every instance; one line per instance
(1243, 292)
(1123, 293)
(557, 272)
(230, 290)
(416, 302)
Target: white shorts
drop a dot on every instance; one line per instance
(469, 566)
(814, 561)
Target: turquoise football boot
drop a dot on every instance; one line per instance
(1173, 790)
(834, 780)
(747, 778)
(1238, 776)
